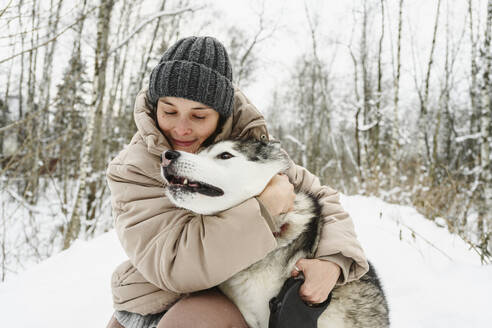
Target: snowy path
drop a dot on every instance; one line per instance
(425, 286)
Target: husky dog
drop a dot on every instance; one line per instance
(230, 172)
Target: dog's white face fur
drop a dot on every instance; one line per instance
(222, 175)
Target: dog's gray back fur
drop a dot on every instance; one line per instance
(356, 304)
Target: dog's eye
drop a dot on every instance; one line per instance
(224, 155)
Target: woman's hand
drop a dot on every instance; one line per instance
(319, 279)
(278, 196)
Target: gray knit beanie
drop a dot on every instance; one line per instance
(195, 68)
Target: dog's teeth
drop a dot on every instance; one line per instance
(185, 181)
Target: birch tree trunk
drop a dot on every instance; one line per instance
(424, 99)
(379, 96)
(3, 108)
(41, 126)
(101, 59)
(70, 148)
(366, 89)
(485, 211)
(443, 105)
(33, 131)
(97, 183)
(320, 115)
(474, 92)
(395, 135)
(357, 117)
(21, 77)
(94, 120)
(44, 87)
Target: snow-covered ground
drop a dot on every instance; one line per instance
(431, 278)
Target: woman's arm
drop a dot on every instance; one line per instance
(174, 248)
(338, 242)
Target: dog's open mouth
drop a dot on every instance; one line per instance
(191, 186)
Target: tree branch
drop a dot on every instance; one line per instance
(49, 40)
(150, 19)
(5, 9)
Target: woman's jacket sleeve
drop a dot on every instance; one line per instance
(173, 248)
(338, 242)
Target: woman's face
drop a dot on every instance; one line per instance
(186, 123)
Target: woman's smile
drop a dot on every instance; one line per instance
(181, 143)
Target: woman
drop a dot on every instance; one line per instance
(176, 257)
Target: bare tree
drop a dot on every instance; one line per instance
(369, 117)
(2, 11)
(44, 88)
(395, 135)
(241, 48)
(68, 122)
(358, 102)
(33, 132)
(366, 86)
(424, 94)
(91, 140)
(474, 91)
(485, 210)
(319, 117)
(379, 92)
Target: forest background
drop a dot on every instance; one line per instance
(390, 98)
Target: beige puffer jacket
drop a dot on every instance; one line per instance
(173, 251)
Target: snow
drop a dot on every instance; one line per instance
(431, 280)
(71, 289)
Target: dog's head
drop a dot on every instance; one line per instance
(221, 176)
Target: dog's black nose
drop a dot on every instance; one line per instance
(171, 154)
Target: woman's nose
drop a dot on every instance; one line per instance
(182, 127)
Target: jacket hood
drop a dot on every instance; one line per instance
(245, 122)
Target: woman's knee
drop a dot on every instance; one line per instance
(207, 309)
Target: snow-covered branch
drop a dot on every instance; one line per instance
(468, 137)
(24, 203)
